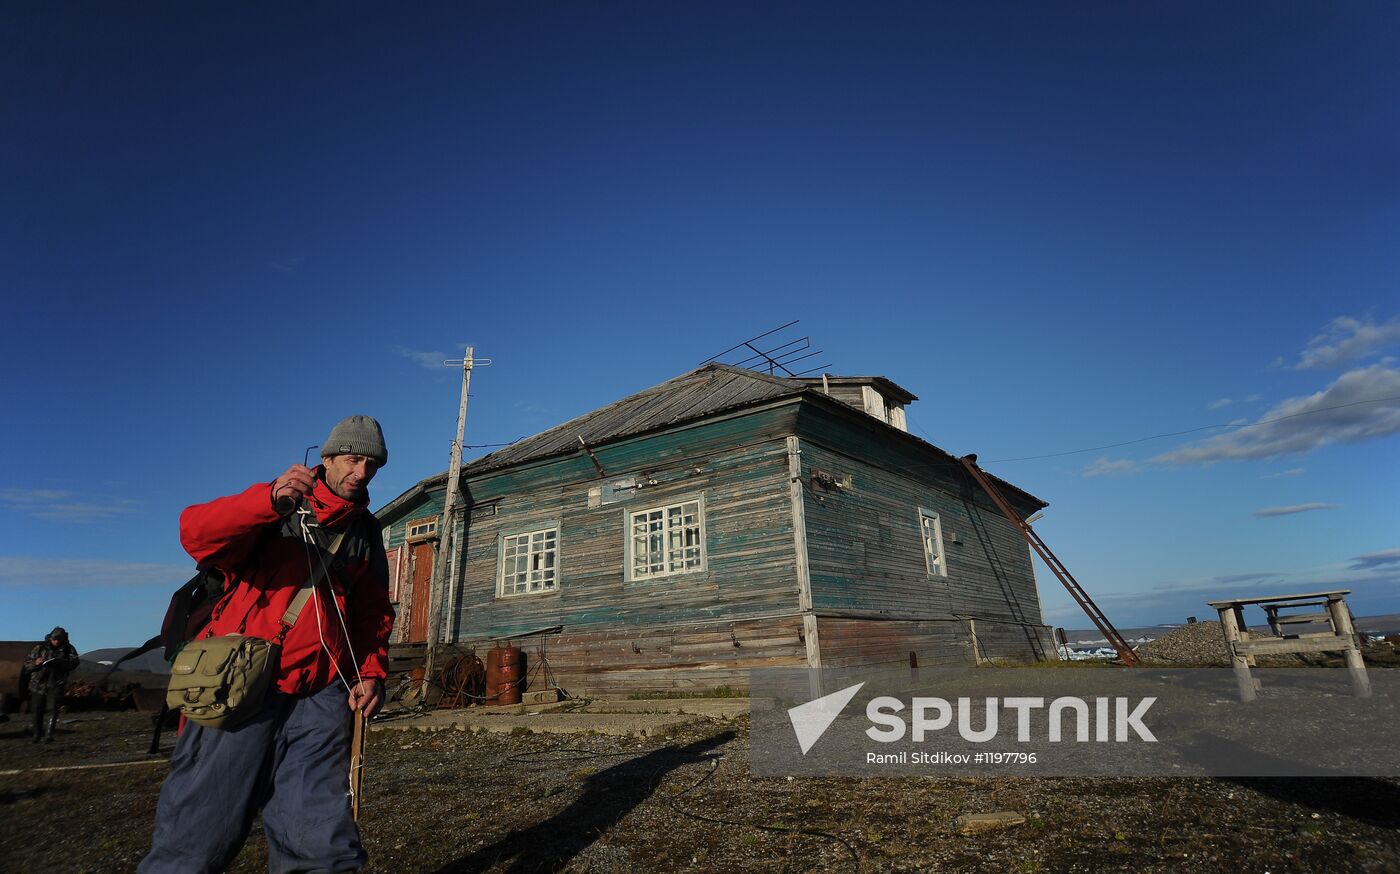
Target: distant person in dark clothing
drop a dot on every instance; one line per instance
(49, 665)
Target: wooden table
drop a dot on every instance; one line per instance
(1244, 646)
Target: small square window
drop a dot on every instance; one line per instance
(666, 540)
(529, 563)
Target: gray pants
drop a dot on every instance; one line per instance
(292, 761)
(41, 701)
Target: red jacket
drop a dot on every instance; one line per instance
(243, 536)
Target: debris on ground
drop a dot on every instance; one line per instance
(480, 801)
(976, 823)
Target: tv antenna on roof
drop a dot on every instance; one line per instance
(774, 359)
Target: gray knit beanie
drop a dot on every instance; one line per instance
(356, 435)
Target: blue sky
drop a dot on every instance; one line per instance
(1062, 226)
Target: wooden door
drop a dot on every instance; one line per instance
(422, 580)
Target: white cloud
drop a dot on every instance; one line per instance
(1360, 405)
(1370, 560)
(1222, 403)
(1255, 577)
(1106, 467)
(60, 505)
(430, 360)
(1346, 339)
(1293, 471)
(1269, 512)
(78, 573)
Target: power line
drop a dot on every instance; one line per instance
(1192, 431)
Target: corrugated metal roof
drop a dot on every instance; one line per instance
(714, 388)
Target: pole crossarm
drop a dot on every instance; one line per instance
(1076, 591)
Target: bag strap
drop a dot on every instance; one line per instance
(294, 609)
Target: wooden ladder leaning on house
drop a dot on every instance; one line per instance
(1076, 591)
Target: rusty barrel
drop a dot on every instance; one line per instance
(504, 670)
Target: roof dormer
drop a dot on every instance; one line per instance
(874, 395)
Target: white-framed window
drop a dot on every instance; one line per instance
(662, 541)
(421, 527)
(529, 562)
(931, 530)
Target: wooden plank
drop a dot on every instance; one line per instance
(1302, 618)
(1275, 646)
(1330, 595)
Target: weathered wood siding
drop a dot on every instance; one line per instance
(736, 465)
(881, 643)
(865, 546)
(649, 658)
(877, 643)
(1013, 641)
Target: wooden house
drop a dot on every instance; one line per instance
(721, 521)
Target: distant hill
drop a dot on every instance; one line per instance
(152, 662)
(1388, 623)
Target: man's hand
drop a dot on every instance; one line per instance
(368, 696)
(291, 487)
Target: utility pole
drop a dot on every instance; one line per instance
(437, 588)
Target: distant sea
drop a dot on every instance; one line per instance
(1087, 640)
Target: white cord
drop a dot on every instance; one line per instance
(316, 596)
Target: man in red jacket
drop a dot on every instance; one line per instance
(290, 761)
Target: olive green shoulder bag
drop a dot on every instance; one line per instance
(220, 682)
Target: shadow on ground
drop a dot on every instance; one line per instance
(1365, 799)
(608, 796)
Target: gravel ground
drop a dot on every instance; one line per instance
(455, 801)
(1202, 644)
